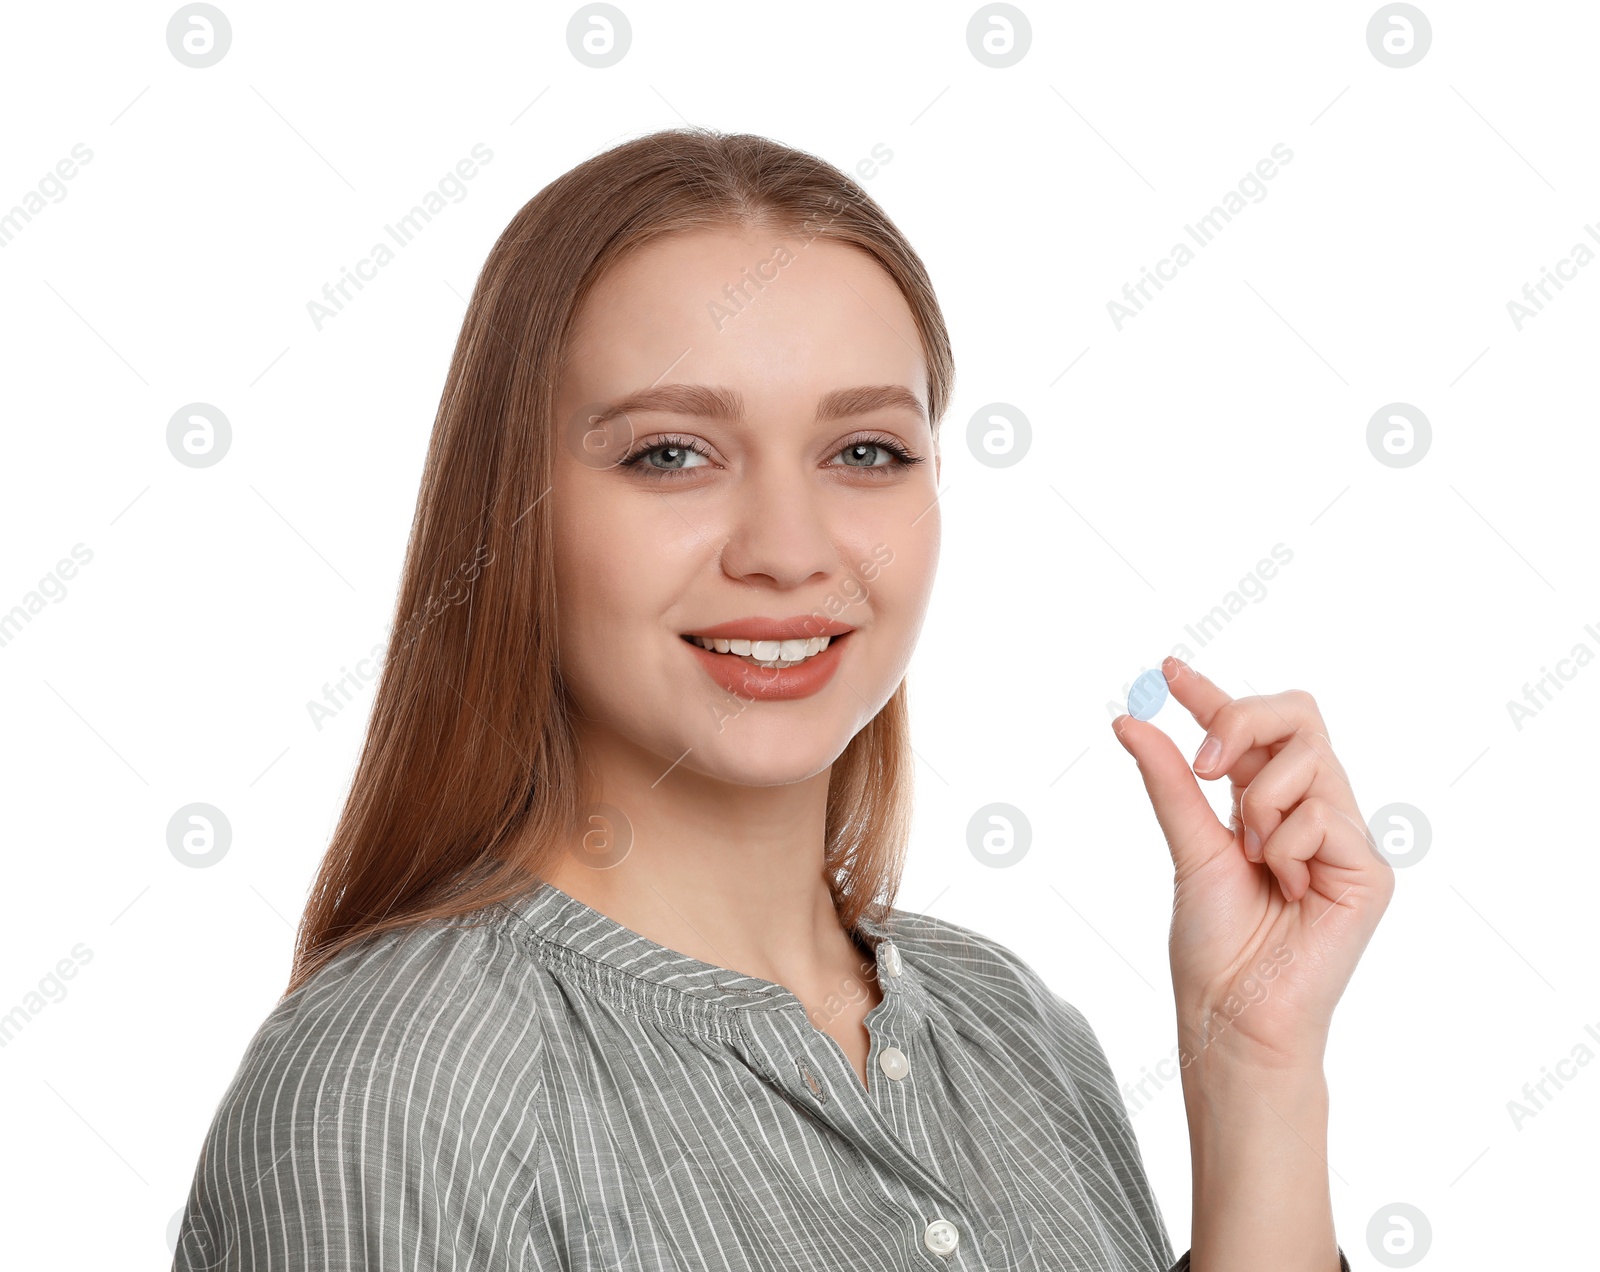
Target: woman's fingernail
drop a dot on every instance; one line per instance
(1210, 749)
(1252, 844)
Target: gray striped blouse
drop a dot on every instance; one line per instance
(536, 1086)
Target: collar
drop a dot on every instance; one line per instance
(569, 930)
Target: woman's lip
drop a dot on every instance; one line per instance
(770, 684)
(801, 627)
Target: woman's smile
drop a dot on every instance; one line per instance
(765, 653)
(770, 640)
(769, 670)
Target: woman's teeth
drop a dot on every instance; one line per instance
(765, 653)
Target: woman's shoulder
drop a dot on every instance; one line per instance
(957, 949)
(985, 972)
(418, 1020)
(390, 1075)
(1002, 1000)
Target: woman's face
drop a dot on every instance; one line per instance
(673, 519)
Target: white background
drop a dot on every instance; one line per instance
(1231, 415)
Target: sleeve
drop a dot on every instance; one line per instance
(337, 1177)
(385, 1118)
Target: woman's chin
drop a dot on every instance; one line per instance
(768, 755)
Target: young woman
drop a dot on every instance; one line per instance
(601, 969)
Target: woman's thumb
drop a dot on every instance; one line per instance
(1186, 819)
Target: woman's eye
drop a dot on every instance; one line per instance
(674, 456)
(867, 455)
(664, 458)
(671, 457)
(867, 452)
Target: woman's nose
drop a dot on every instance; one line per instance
(780, 528)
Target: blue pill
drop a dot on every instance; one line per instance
(1147, 695)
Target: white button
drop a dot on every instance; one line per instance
(891, 959)
(941, 1236)
(894, 1063)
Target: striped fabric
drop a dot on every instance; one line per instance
(536, 1086)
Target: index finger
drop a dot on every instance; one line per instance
(1260, 723)
(1195, 691)
(1203, 699)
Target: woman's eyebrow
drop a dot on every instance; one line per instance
(716, 403)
